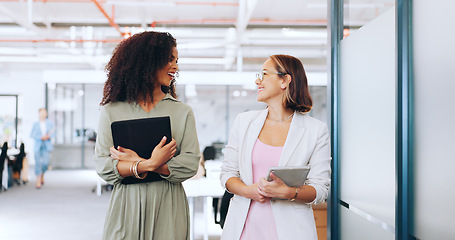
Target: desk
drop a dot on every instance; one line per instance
(207, 188)
(69, 156)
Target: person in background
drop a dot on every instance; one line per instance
(281, 135)
(42, 133)
(140, 84)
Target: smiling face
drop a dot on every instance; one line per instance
(269, 89)
(168, 72)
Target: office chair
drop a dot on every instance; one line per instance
(220, 205)
(3, 158)
(17, 165)
(223, 208)
(209, 153)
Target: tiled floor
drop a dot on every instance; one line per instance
(64, 208)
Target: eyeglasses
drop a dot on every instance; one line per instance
(260, 75)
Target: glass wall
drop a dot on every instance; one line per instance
(434, 115)
(74, 108)
(357, 13)
(8, 120)
(412, 201)
(367, 121)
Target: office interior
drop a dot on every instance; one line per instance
(378, 70)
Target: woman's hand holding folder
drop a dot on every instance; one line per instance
(124, 154)
(162, 153)
(156, 163)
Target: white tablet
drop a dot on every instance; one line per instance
(292, 176)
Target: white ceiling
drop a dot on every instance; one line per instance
(218, 35)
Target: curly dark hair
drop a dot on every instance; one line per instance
(133, 67)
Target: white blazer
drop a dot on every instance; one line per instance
(307, 143)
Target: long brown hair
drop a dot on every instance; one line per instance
(297, 95)
(133, 67)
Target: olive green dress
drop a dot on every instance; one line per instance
(156, 210)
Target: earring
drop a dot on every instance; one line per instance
(283, 87)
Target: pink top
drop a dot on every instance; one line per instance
(260, 223)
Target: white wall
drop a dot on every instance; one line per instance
(434, 137)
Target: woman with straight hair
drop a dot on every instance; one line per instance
(140, 84)
(281, 135)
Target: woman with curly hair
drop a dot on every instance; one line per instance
(140, 84)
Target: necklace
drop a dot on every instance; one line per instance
(281, 120)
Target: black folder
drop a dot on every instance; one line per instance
(142, 136)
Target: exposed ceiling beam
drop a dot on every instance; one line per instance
(245, 10)
(211, 34)
(111, 20)
(61, 40)
(21, 21)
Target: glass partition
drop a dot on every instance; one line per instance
(367, 124)
(209, 104)
(74, 109)
(8, 120)
(319, 97)
(357, 13)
